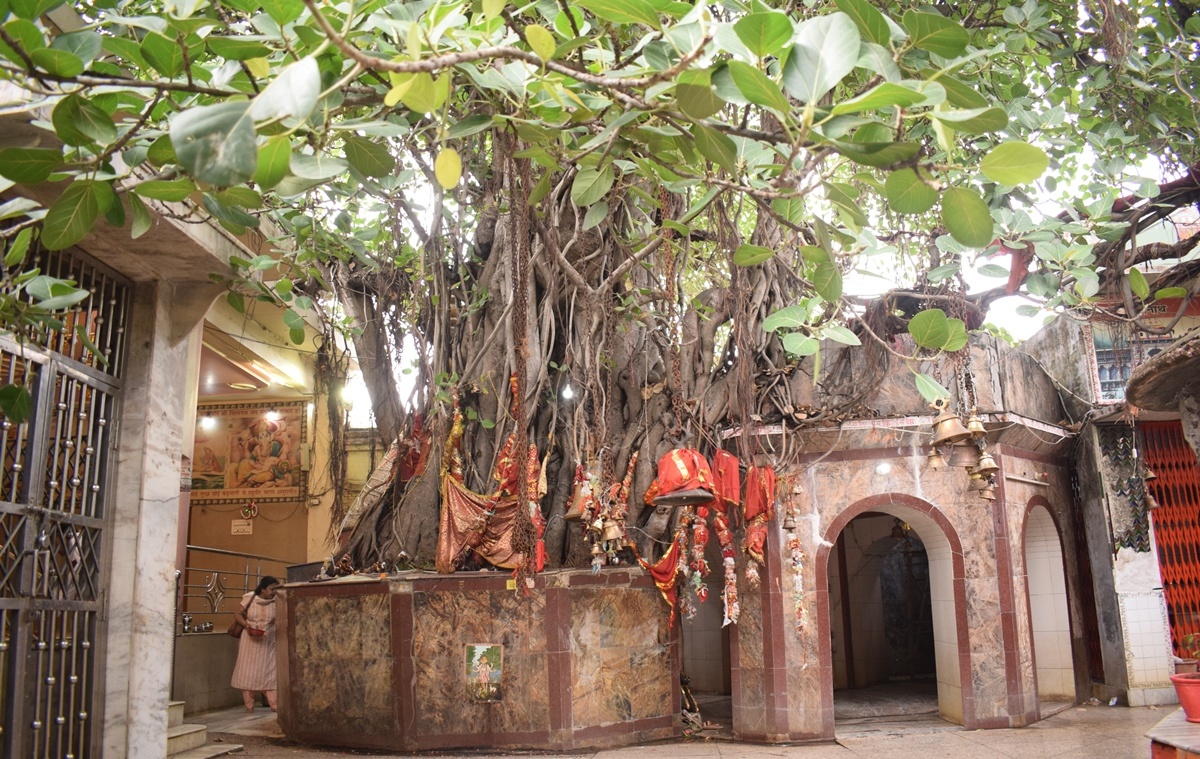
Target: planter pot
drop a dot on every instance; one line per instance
(1187, 687)
(1184, 665)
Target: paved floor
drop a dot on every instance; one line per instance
(1076, 732)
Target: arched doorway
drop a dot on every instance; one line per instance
(1050, 627)
(893, 617)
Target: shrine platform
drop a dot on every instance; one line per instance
(397, 662)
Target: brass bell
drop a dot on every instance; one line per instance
(597, 550)
(986, 465)
(935, 460)
(965, 456)
(789, 521)
(988, 493)
(612, 530)
(597, 525)
(1149, 475)
(975, 426)
(948, 427)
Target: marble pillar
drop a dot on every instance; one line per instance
(144, 508)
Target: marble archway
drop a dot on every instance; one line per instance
(1048, 611)
(947, 595)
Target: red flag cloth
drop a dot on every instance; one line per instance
(665, 572)
(759, 508)
(760, 493)
(727, 480)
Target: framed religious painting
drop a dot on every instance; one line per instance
(249, 452)
(484, 667)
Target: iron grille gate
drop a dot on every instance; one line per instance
(1176, 487)
(55, 470)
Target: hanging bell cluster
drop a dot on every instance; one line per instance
(967, 449)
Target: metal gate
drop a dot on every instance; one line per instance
(55, 474)
(1176, 487)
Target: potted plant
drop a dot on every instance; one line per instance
(1189, 653)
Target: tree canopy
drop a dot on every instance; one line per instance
(650, 207)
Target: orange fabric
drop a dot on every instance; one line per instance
(680, 469)
(474, 522)
(727, 481)
(759, 508)
(665, 572)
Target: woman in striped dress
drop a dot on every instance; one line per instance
(254, 672)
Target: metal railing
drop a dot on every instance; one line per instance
(212, 577)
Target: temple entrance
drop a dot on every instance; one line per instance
(892, 620)
(705, 661)
(1049, 620)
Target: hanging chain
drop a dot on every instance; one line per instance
(523, 536)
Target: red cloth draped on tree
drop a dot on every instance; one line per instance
(680, 469)
(484, 524)
(665, 572)
(758, 509)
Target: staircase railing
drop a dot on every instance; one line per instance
(213, 583)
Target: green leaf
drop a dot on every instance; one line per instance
(32, 9)
(1014, 163)
(1138, 283)
(19, 247)
(216, 143)
(16, 402)
(84, 45)
(29, 165)
(975, 120)
(591, 185)
(764, 34)
(53, 294)
(697, 100)
(992, 270)
(242, 197)
(283, 11)
(541, 41)
(929, 388)
(469, 126)
(274, 161)
(78, 122)
(906, 193)
(1171, 292)
(622, 11)
(789, 317)
(161, 152)
(368, 158)
(234, 49)
(169, 190)
(967, 217)
(57, 62)
(163, 53)
(758, 88)
(884, 95)
(595, 214)
(292, 94)
(296, 335)
(943, 272)
(930, 328)
(26, 35)
(142, 220)
(961, 95)
(73, 214)
(319, 167)
(827, 281)
(935, 33)
(800, 344)
(236, 302)
(868, 19)
(751, 255)
(826, 50)
(958, 336)
(234, 219)
(878, 154)
(716, 147)
(447, 168)
(841, 334)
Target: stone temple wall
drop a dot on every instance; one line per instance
(582, 661)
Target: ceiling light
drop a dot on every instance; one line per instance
(243, 386)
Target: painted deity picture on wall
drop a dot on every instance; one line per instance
(485, 663)
(248, 451)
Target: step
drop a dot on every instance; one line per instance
(206, 752)
(183, 737)
(175, 713)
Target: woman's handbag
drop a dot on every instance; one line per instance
(236, 627)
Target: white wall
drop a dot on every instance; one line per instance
(1048, 608)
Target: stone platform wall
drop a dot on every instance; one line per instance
(588, 661)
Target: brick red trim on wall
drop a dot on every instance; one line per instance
(876, 503)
